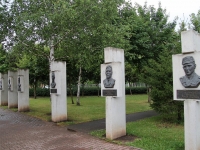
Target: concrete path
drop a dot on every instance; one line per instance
(100, 124)
(21, 132)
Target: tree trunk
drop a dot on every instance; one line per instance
(35, 94)
(98, 89)
(130, 88)
(71, 94)
(149, 96)
(51, 59)
(78, 89)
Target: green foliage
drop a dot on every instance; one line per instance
(3, 60)
(195, 20)
(149, 34)
(39, 92)
(136, 90)
(158, 75)
(86, 91)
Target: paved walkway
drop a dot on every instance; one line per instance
(21, 132)
(100, 124)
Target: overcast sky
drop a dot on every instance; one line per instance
(180, 8)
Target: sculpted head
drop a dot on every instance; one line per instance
(189, 65)
(108, 71)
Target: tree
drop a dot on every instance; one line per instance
(150, 33)
(158, 74)
(131, 74)
(195, 21)
(3, 60)
(69, 28)
(38, 70)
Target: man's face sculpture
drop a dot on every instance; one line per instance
(189, 68)
(188, 65)
(108, 73)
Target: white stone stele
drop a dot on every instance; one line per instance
(190, 47)
(12, 93)
(4, 91)
(115, 106)
(179, 72)
(58, 100)
(23, 95)
(192, 124)
(190, 41)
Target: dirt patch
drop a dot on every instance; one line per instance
(126, 138)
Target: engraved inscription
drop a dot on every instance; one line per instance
(188, 94)
(109, 92)
(53, 90)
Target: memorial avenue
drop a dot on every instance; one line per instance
(98, 75)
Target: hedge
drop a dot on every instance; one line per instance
(88, 91)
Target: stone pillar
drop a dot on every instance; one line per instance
(12, 89)
(115, 94)
(186, 81)
(23, 90)
(3, 89)
(58, 91)
(192, 124)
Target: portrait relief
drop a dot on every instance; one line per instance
(109, 82)
(53, 84)
(190, 79)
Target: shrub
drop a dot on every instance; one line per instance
(87, 91)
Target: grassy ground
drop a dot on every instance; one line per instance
(92, 108)
(153, 134)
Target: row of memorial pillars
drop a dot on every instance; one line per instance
(14, 89)
(186, 90)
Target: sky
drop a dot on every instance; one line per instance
(180, 8)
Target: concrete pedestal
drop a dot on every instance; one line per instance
(59, 92)
(192, 124)
(12, 90)
(23, 90)
(4, 90)
(115, 105)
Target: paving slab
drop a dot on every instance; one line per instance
(19, 131)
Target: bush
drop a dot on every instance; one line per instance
(158, 74)
(39, 92)
(136, 90)
(87, 91)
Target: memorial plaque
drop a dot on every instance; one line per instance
(109, 92)
(188, 94)
(53, 90)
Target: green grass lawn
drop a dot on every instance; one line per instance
(152, 134)
(92, 108)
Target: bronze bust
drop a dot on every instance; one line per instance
(109, 82)
(191, 79)
(9, 84)
(19, 84)
(53, 84)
